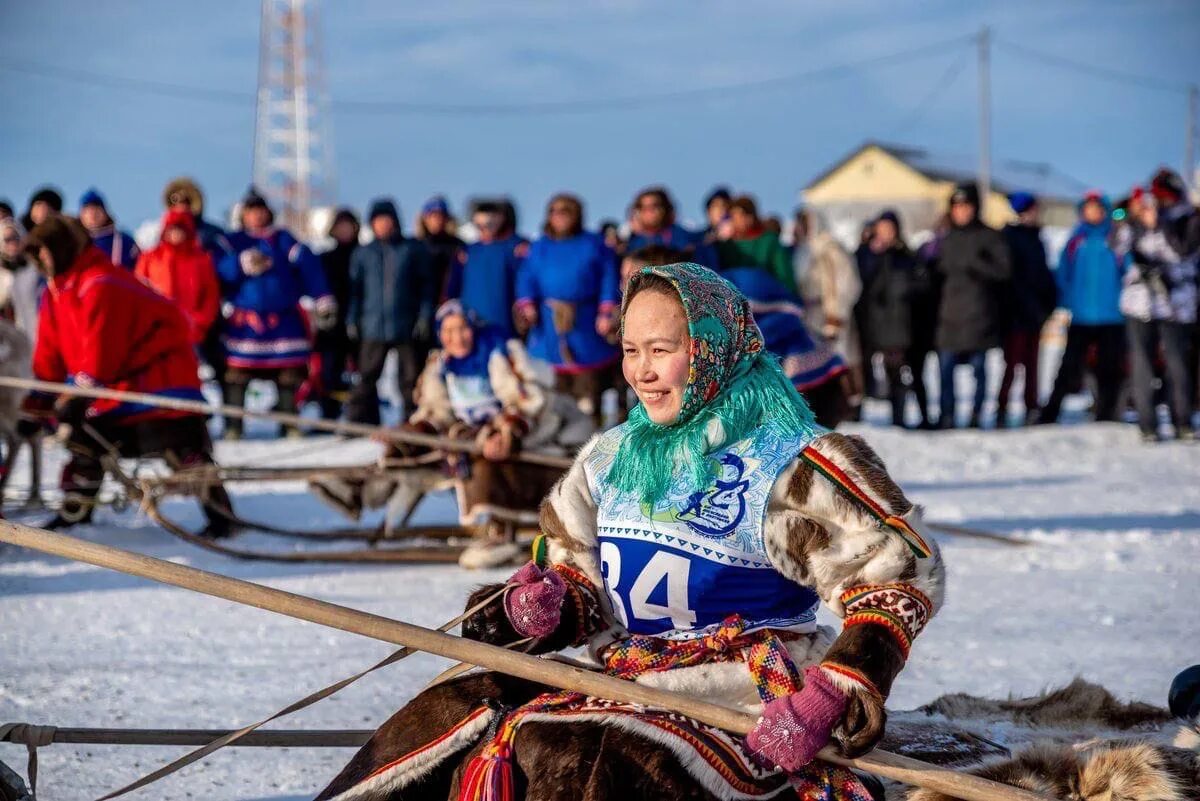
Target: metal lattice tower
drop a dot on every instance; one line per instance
(293, 147)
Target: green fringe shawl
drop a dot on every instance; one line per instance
(760, 394)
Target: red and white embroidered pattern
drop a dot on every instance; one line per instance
(901, 608)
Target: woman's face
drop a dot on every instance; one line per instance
(652, 214)
(458, 339)
(743, 222)
(657, 350)
(562, 217)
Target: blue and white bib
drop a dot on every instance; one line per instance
(682, 567)
(472, 398)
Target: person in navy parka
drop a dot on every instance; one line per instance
(568, 295)
(266, 333)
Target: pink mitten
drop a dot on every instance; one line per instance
(794, 728)
(534, 605)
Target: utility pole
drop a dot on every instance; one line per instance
(985, 118)
(1189, 149)
(293, 151)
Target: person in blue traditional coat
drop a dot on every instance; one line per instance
(813, 367)
(119, 245)
(266, 333)
(689, 549)
(484, 274)
(567, 296)
(653, 223)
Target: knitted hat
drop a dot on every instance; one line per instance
(1022, 202)
(92, 197)
(966, 192)
(435, 204)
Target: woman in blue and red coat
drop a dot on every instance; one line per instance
(267, 336)
(99, 326)
(567, 295)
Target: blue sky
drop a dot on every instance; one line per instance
(770, 141)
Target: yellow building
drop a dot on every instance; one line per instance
(918, 184)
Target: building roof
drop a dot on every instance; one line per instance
(1008, 175)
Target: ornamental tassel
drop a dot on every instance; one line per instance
(488, 776)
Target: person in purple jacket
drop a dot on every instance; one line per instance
(568, 296)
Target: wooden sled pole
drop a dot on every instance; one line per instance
(893, 766)
(271, 738)
(331, 426)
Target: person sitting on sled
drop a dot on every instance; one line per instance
(689, 549)
(99, 326)
(481, 386)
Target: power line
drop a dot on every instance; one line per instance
(939, 87)
(1103, 73)
(206, 94)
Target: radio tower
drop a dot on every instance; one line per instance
(293, 148)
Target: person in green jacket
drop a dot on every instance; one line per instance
(751, 245)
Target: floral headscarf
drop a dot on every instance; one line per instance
(732, 379)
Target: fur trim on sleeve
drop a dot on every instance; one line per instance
(432, 396)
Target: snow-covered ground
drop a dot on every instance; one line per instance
(1107, 591)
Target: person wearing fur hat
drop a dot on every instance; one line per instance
(689, 548)
(101, 327)
(392, 298)
(266, 334)
(1029, 299)
(483, 386)
(42, 203)
(119, 245)
(185, 194)
(180, 269)
(1089, 284)
(974, 265)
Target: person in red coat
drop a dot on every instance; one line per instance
(101, 327)
(179, 269)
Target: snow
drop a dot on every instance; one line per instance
(1106, 590)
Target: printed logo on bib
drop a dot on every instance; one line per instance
(697, 557)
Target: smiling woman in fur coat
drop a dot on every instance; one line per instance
(688, 549)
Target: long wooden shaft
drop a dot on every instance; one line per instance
(332, 426)
(567, 677)
(273, 738)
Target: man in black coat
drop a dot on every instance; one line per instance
(334, 344)
(889, 273)
(1027, 302)
(391, 308)
(974, 264)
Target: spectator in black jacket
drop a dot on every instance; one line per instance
(1027, 302)
(888, 269)
(391, 306)
(435, 227)
(974, 263)
(334, 344)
